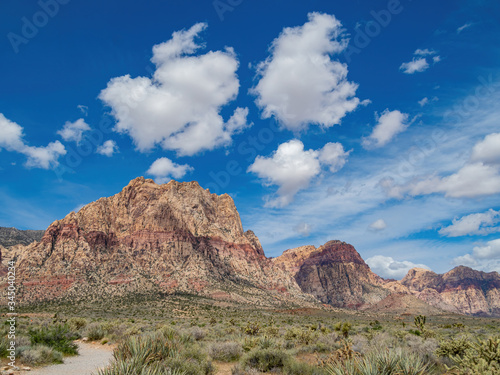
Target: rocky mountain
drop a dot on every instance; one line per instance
(12, 236)
(461, 290)
(334, 273)
(180, 238)
(175, 237)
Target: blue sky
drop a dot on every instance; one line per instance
(372, 122)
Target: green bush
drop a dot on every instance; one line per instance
(95, 331)
(265, 359)
(481, 358)
(453, 347)
(386, 362)
(39, 355)
(77, 324)
(225, 351)
(58, 337)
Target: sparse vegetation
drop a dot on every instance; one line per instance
(207, 337)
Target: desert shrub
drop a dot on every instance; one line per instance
(453, 347)
(293, 367)
(481, 358)
(249, 343)
(265, 359)
(252, 328)
(40, 355)
(197, 333)
(387, 362)
(424, 348)
(158, 353)
(76, 323)
(58, 337)
(225, 351)
(95, 331)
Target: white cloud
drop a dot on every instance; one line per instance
(423, 102)
(480, 223)
(436, 59)
(389, 268)
(480, 176)
(472, 180)
(108, 148)
(378, 225)
(389, 124)
(11, 139)
(179, 108)
(488, 150)
(463, 27)
(73, 131)
(11, 135)
(44, 157)
(424, 52)
(485, 258)
(416, 65)
(292, 168)
(303, 229)
(83, 108)
(164, 169)
(300, 84)
(333, 156)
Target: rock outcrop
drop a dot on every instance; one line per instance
(175, 237)
(13, 236)
(334, 273)
(461, 290)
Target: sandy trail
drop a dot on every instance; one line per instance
(90, 358)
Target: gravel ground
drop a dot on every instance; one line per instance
(91, 357)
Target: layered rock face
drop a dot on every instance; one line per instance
(12, 236)
(334, 273)
(461, 290)
(175, 237)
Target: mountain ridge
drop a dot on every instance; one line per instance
(179, 237)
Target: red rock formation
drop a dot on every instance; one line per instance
(149, 237)
(461, 290)
(334, 273)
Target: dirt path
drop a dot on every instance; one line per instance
(91, 357)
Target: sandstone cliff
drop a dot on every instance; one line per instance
(334, 273)
(175, 237)
(461, 290)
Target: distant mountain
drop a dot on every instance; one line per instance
(180, 238)
(334, 273)
(12, 236)
(461, 290)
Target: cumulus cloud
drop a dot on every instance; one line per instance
(419, 63)
(488, 150)
(179, 107)
(11, 139)
(292, 168)
(11, 135)
(389, 124)
(108, 148)
(389, 268)
(414, 66)
(300, 84)
(164, 169)
(378, 225)
(485, 258)
(73, 131)
(334, 156)
(480, 176)
(480, 223)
